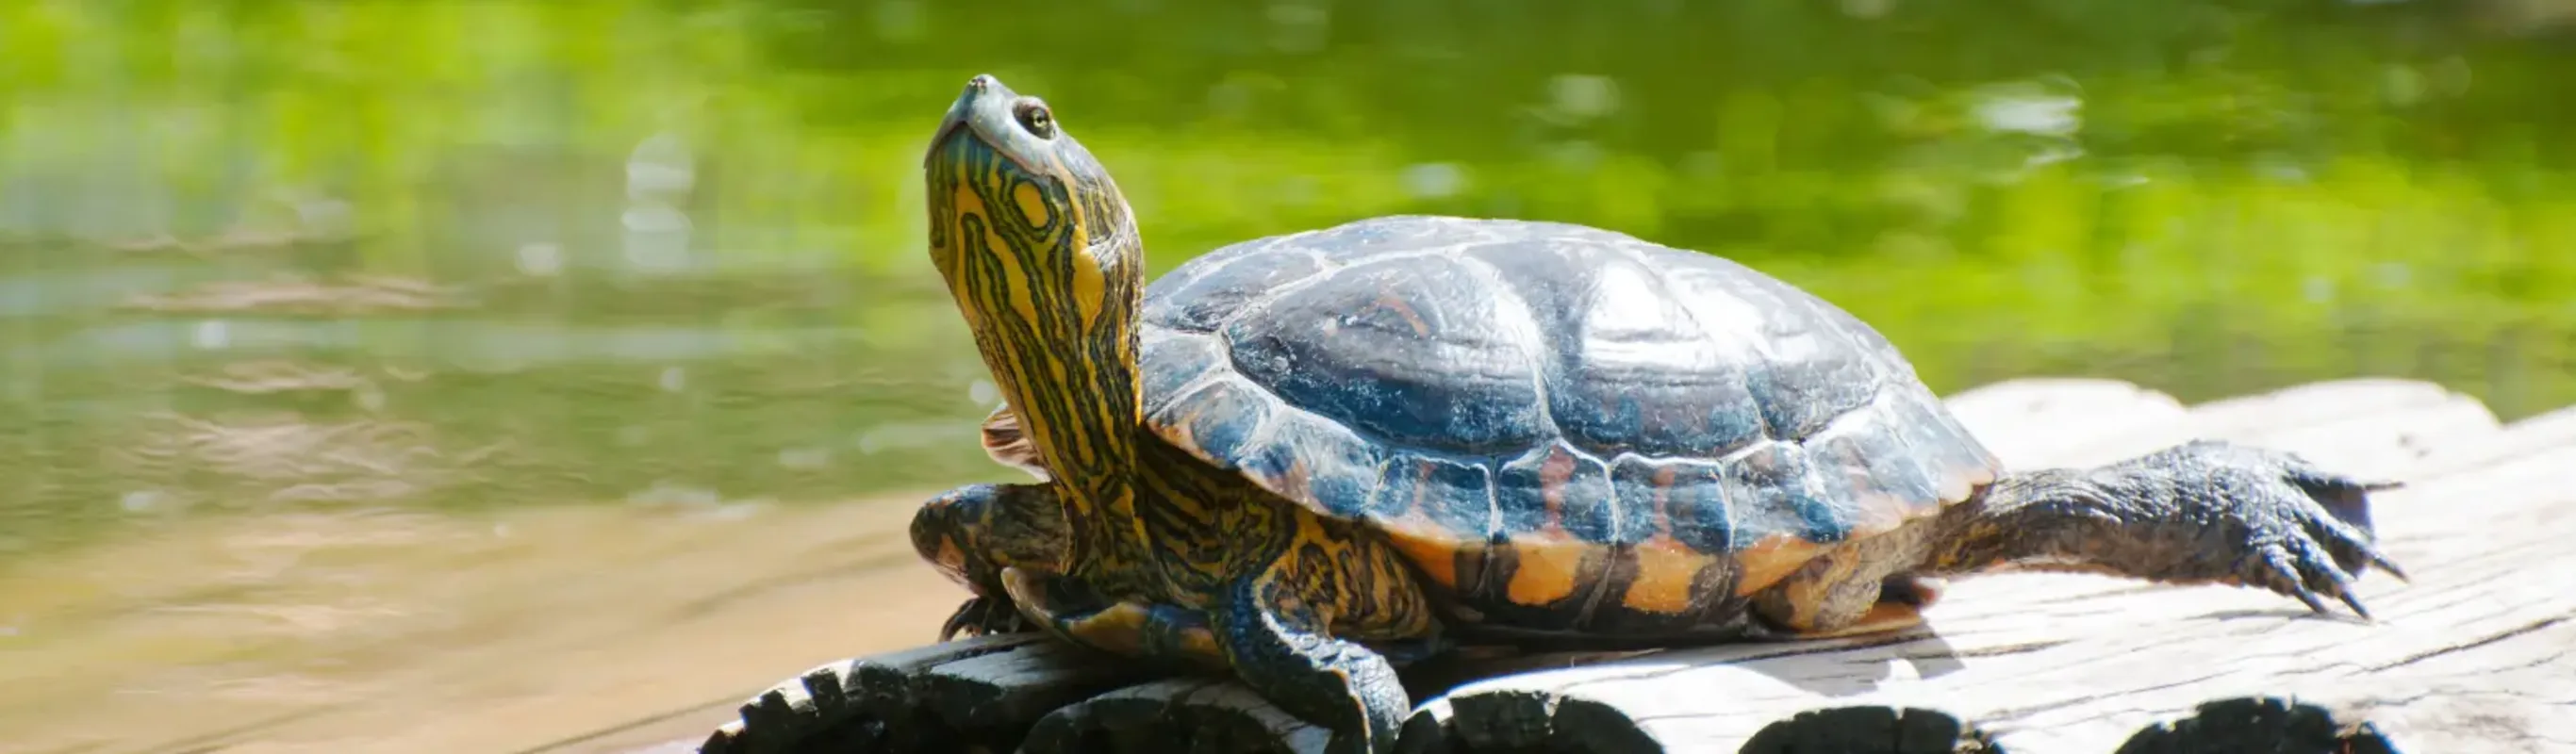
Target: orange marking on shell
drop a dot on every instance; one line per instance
(1293, 482)
(1436, 556)
(1663, 517)
(1552, 477)
(1551, 561)
(1180, 430)
(1420, 327)
(1430, 546)
(1773, 559)
(1665, 571)
(1421, 482)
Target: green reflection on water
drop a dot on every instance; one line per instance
(264, 255)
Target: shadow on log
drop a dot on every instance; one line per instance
(2478, 654)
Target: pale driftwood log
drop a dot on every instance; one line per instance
(2478, 654)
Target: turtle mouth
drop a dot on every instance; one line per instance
(960, 118)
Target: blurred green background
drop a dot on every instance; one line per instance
(263, 256)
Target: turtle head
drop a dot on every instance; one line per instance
(1022, 217)
(1040, 251)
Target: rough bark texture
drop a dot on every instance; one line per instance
(2477, 654)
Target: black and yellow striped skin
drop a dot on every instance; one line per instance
(1045, 269)
(1148, 552)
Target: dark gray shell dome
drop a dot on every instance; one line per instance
(1454, 381)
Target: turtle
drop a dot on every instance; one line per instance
(1311, 458)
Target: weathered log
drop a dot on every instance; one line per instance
(1181, 714)
(2477, 654)
(982, 692)
(842, 705)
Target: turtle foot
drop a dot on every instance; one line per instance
(984, 616)
(2299, 531)
(2202, 512)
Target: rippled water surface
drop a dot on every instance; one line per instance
(306, 304)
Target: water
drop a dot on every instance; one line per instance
(474, 261)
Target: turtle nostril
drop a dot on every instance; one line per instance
(981, 82)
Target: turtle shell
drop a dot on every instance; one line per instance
(1548, 416)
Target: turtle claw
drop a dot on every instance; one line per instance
(2312, 526)
(2281, 574)
(2382, 563)
(957, 622)
(2298, 581)
(983, 616)
(2294, 569)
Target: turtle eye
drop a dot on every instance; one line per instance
(1033, 116)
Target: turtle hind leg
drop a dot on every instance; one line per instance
(1863, 586)
(1071, 610)
(2204, 512)
(1899, 606)
(1279, 646)
(1878, 618)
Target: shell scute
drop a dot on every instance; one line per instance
(1437, 367)
(1177, 358)
(1450, 496)
(1308, 457)
(1776, 488)
(1812, 368)
(1869, 459)
(1556, 489)
(1221, 416)
(1629, 367)
(1215, 288)
(1681, 500)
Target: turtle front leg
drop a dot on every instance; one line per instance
(971, 533)
(2202, 512)
(1317, 623)
(1278, 645)
(984, 616)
